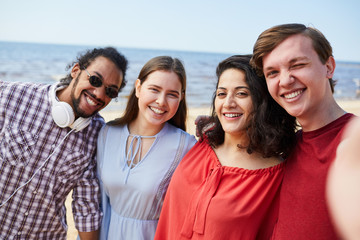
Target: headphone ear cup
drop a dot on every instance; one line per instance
(62, 114)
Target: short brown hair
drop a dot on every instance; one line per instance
(272, 37)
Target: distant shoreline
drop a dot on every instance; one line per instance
(43, 63)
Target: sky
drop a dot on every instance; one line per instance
(222, 26)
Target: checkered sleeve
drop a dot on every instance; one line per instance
(2, 86)
(86, 200)
(3, 111)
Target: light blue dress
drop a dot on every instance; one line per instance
(132, 197)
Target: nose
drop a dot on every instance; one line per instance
(286, 79)
(161, 99)
(229, 101)
(100, 92)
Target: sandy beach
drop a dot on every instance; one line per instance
(351, 106)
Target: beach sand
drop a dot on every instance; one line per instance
(351, 106)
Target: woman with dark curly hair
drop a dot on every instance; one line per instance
(227, 185)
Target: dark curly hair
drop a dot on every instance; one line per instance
(85, 59)
(271, 130)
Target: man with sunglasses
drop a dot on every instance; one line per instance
(48, 146)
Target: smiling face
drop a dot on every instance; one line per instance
(297, 79)
(233, 103)
(159, 98)
(85, 99)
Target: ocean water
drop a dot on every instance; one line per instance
(46, 63)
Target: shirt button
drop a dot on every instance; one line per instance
(26, 213)
(43, 169)
(19, 233)
(35, 192)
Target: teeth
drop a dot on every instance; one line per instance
(293, 94)
(91, 102)
(232, 115)
(156, 110)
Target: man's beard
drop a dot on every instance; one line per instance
(76, 102)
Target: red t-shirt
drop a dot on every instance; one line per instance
(303, 213)
(208, 201)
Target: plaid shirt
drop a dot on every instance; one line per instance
(28, 136)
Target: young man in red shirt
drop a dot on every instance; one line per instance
(298, 65)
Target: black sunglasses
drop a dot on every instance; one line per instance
(95, 81)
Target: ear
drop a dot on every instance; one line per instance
(75, 71)
(330, 66)
(182, 95)
(137, 87)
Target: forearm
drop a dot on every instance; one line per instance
(342, 190)
(89, 235)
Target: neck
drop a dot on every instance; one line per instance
(320, 118)
(64, 95)
(229, 154)
(232, 141)
(138, 127)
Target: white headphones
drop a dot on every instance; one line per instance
(63, 114)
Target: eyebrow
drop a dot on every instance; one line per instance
(99, 75)
(239, 87)
(298, 59)
(102, 78)
(173, 91)
(293, 60)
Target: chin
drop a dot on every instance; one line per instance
(85, 115)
